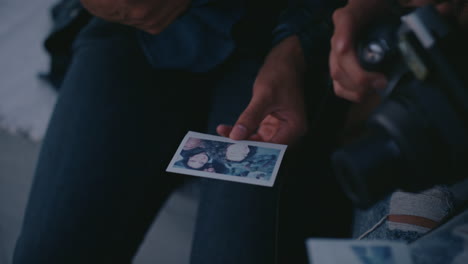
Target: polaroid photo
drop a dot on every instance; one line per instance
(338, 251)
(222, 158)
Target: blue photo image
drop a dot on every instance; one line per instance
(374, 254)
(228, 158)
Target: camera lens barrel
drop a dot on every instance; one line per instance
(397, 151)
(417, 137)
(368, 168)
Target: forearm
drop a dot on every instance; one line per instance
(288, 53)
(310, 21)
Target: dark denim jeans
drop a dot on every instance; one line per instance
(446, 243)
(101, 179)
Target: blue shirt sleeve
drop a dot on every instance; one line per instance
(197, 41)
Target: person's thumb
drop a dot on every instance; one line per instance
(249, 120)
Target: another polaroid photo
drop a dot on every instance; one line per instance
(221, 158)
(338, 251)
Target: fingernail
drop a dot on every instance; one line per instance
(239, 132)
(379, 84)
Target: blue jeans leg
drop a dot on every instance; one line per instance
(101, 179)
(240, 223)
(235, 222)
(447, 244)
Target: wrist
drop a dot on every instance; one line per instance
(288, 53)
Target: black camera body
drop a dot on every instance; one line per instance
(418, 136)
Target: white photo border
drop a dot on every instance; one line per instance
(269, 183)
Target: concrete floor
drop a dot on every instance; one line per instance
(17, 161)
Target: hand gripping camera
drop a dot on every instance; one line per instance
(418, 136)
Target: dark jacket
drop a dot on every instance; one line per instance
(205, 35)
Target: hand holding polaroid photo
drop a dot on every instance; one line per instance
(338, 251)
(221, 158)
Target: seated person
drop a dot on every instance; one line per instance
(142, 74)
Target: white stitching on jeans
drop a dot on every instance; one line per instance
(379, 223)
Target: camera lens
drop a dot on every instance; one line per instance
(368, 169)
(374, 52)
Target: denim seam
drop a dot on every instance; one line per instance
(370, 230)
